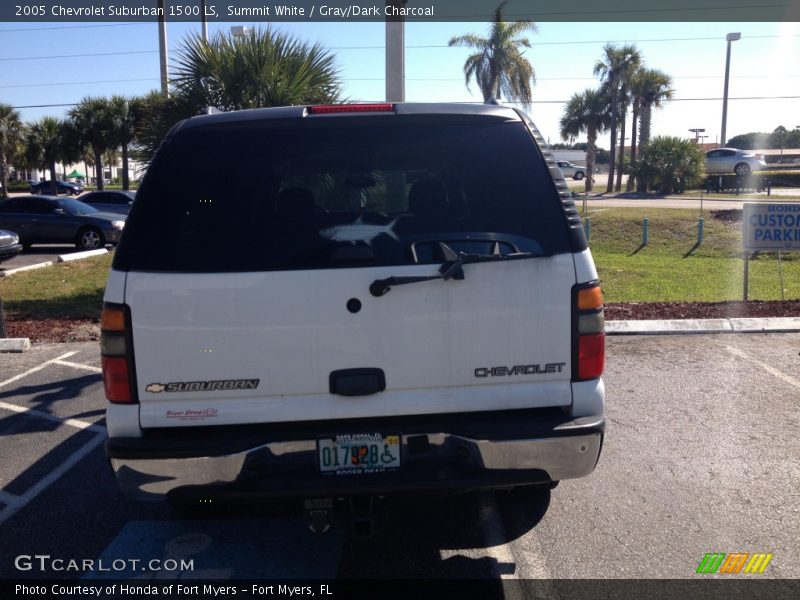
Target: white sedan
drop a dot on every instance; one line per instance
(726, 161)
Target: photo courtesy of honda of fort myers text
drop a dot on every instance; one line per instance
(348, 335)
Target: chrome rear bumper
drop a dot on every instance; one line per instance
(431, 461)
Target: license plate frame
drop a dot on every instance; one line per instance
(336, 453)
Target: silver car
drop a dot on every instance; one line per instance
(726, 161)
(570, 170)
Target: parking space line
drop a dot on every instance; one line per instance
(75, 365)
(21, 501)
(769, 369)
(77, 423)
(37, 368)
(8, 499)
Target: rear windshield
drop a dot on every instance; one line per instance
(229, 198)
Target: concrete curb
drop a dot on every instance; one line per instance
(26, 268)
(80, 255)
(14, 344)
(698, 326)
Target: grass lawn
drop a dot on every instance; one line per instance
(65, 290)
(670, 268)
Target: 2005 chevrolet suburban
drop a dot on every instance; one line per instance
(352, 301)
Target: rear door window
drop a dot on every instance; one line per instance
(229, 198)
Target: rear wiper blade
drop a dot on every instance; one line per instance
(452, 268)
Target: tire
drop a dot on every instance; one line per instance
(578, 175)
(90, 238)
(742, 169)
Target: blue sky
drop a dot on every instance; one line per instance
(765, 62)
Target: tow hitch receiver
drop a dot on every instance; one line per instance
(319, 514)
(363, 517)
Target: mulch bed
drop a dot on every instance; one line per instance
(87, 330)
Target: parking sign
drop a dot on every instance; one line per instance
(773, 227)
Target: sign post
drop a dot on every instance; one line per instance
(771, 228)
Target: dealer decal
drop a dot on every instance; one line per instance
(191, 415)
(203, 386)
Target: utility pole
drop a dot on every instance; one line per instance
(162, 48)
(203, 20)
(395, 55)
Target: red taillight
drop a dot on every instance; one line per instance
(115, 348)
(591, 356)
(327, 109)
(116, 379)
(589, 349)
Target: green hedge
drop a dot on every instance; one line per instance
(19, 186)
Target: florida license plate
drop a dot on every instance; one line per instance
(359, 453)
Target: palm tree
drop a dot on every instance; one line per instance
(263, 68)
(92, 118)
(636, 107)
(617, 64)
(11, 132)
(123, 115)
(46, 146)
(586, 111)
(654, 88)
(499, 65)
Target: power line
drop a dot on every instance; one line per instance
(70, 27)
(68, 83)
(533, 102)
(80, 55)
(411, 47)
(26, 85)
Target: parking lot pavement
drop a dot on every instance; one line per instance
(701, 456)
(37, 254)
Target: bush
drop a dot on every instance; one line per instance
(19, 186)
(669, 164)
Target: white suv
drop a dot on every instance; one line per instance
(375, 299)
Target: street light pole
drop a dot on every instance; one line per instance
(731, 37)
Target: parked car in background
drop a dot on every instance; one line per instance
(110, 201)
(731, 161)
(64, 187)
(9, 245)
(570, 170)
(52, 220)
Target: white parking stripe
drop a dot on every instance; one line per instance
(769, 369)
(50, 478)
(7, 498)
(37, 368)
(78, 424)
(67, 363)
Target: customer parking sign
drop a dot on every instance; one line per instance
(773, 227)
